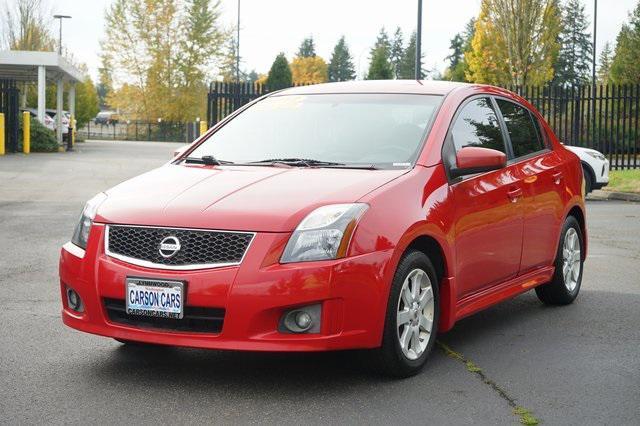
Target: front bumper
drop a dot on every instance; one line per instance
(352, 293)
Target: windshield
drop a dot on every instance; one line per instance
(378, 129)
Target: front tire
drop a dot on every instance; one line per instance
(567, 278)
(411, 321)
(588, 180)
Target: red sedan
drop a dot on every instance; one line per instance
(338, 216)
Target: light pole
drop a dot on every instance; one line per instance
(593, 76)
(419, 43)
(595, 32)
(238, 47)
(60, 17)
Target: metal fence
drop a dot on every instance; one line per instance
(224, 98)
(606, 119)
(163, 131)
(9, 107)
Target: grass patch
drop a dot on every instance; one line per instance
(624, 181)
(526, 418)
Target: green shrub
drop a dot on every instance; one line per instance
(42, 139)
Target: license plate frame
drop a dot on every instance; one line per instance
(157, 297)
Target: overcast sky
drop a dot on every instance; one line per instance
(268, 27)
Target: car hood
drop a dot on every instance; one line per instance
(266, 199)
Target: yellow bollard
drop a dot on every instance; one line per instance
(1, 133)
(203, 127)
(73, 130)
(26, 132)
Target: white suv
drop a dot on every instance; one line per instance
(595, 167)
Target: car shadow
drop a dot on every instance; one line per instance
(522, 317)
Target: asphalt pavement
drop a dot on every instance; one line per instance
(577, 365)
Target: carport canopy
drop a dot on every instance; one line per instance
(19, 65)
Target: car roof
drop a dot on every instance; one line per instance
(424, 87)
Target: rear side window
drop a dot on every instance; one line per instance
(525, 137)
(477, 125)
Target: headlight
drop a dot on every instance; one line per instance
(324, 234)
(81, 233)
(596, 154)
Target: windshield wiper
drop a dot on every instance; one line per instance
(207, 160)
(305, 162)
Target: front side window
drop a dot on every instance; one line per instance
(524, 136)
(378, 129)
(477, 125)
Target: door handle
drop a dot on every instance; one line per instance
(514, 194)
(557, 177)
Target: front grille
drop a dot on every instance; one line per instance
(198, 248)
(195, 320)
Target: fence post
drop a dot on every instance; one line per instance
(2, 134)
(203, 127)
(26, 132)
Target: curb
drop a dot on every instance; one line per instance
(620, 196)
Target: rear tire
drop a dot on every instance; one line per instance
(413, 311)
(567, 278)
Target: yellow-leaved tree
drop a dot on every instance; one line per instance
(161, 53)
(515, 42)
(309, 70)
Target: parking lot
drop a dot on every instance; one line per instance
(578, 364)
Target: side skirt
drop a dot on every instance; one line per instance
(498, 293)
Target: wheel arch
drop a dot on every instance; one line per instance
(592, 174)
(577, 212)
(438, 254)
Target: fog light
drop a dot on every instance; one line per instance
(74, 301)
(301, 320)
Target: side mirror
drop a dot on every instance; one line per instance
(472, 159)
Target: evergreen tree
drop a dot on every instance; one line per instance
(105, 81)
(604, 64)
(625, 67)
(382, 42)
(229, 61)
(307, 48)
(460, 45)
(573, 66)
(381, 67)
(469, 32)
(407, 66)
(455, 71)
(397, 50)
(279, 74)
(253, 76)
(341, 66)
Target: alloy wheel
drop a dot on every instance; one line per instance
(571, 257)
(415, 314)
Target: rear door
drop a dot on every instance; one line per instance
(542, 184)
(488, 210)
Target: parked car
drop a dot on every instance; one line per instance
(595, 167)
(66, 119)
(106, 117)
(368, 215)
(49, 122)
